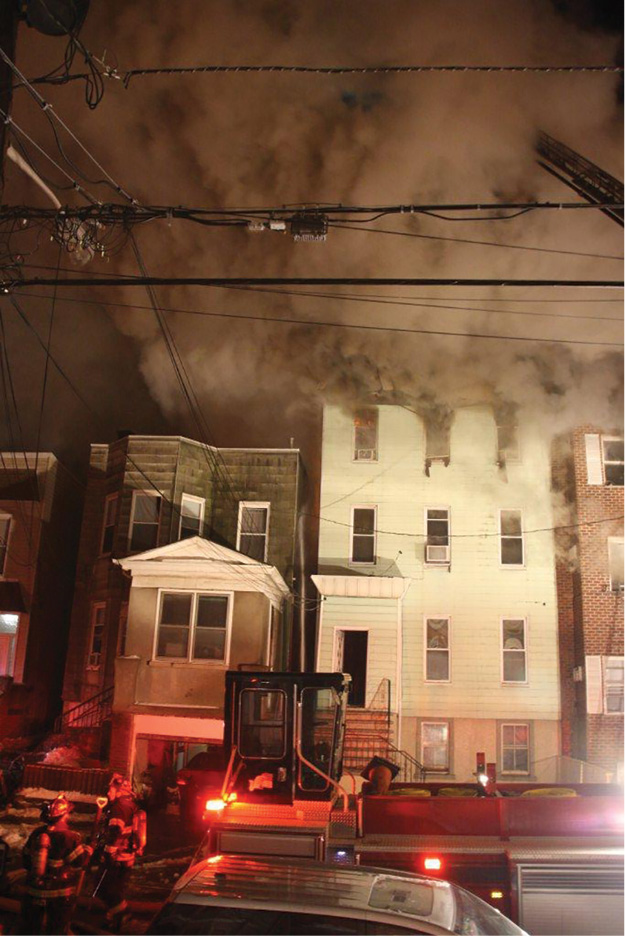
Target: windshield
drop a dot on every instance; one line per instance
(317, 728)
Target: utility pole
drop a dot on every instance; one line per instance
(8, 36)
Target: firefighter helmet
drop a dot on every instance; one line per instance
(56, 809)
(120, 785)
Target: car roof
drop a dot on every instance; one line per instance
(323, 888)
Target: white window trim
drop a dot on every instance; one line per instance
(375, 458)
(436, 563)
(136, 492)
(243, 506)
(95, 666)
(426, 679)
(6, 516)
(614, 540)
(209, 662)
(113, 497)
(434, 722)
(511, 566)
(605, 685)
(198, 500)
(529, 747)
(522, 619)
(374, 536)
(608, 439)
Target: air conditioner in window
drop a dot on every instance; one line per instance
(366, 454)
(436, 553)
(578, 673)
(94, 659)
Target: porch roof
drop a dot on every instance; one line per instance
(207, 565)
(365, 587)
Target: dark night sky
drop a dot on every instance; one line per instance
(243, 140)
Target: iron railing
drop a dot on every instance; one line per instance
(564, 769)
(410, 769)
(381, 700)
(88, 713)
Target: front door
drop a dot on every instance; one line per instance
(351, 657)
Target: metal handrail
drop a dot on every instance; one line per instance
(417, 767)
(99, 705)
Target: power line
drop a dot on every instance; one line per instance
(349, 297)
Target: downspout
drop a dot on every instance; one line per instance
(400, 663)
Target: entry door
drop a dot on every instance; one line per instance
(351, 652)
(7, 643)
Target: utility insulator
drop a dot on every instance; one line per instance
(309, 227)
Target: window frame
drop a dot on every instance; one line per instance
(189, 660)
(610, 462)
(504, 455)
(426, 560)
(503, 650)
(371, 459)
(503, 748)
(426, 650)
(112, 498)
(502, 536)
(621, 587)
(95, 608)
(198, 500)
(243, 506)
(607, 684)
(373, 536)
(155, 494)
(434, 769)
(4, 551)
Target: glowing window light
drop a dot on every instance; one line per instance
(433, 863)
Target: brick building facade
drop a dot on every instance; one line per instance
(589, 472)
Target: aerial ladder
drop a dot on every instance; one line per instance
(584, 177)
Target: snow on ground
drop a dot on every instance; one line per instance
(16, 835)
(69, 756)
(47, 794)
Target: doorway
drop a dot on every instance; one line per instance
(351, 657)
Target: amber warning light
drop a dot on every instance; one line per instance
(433, 863)
(218, 804)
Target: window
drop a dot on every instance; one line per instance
(366, 435)
(192, 626)
(511, 538)
(437, 650)
(9, 623)
(146, 510)
(515, 750)
(616, 560)
(5, 530)
(508, 449)
(363, 535)
(191, 516)
(108, 525)
(437, 535)
(612, 450)
(253, 529)
(98, 622)
(435, 746)
(262, 723)
(514, 653)
(613, 684)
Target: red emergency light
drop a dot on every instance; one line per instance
(218, 804)
(433, 864)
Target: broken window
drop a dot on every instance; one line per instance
(366, 435)
(253, 529)
(508, 447)
(437, 650)
(146, 510)
(363, 535)
(437, 542)
(191, 516)
(612, 460)
(511, 537)
(514, 664)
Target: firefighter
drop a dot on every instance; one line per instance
(53, 857)
(122, 839)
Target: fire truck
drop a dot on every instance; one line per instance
(549, 859)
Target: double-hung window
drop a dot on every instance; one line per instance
(613, 684)
(145, 516)
(191, 516)
(437, 649)
(435, 746)
(515, 748)
(437, 536)
(514, 651)
(5, 530)
(108, 524)
(511, 549)
(253, 529)
(96, 641)
(363, 535)
(366, 435)
(193, 626)
(616, 557)
(612, 448)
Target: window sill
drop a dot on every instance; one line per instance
(181, 663)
